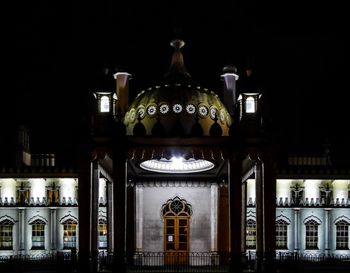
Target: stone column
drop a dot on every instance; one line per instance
(94, 203)
(110, 222)
(214, 194)
(139, 218)
(296, 229)
(259, 215)
(327, 230)
(84, 191)
(119, 177)
(236, 214)
(53, 228)
(21, 244)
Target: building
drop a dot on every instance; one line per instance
(179, 170)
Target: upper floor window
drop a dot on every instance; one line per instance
(311, 236)
(69, 234)
(102, 233)
(53, 194)
(250, 105)
(38, 234)
(23, 194)
(6, 235)
(251, 234)
(342, 235)
(281, 234)
(105, 104)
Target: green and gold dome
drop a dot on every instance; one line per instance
(177, 107)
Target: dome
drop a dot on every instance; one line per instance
(177, 107)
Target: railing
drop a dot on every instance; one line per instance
(171, 262)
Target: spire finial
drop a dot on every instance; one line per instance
(177, 67)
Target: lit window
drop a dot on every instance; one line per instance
(251, 234)
(250, 105)
(6, 236)
(69, 234)
(38, 234)
(342, 239)
(281, 234)
(104, 104)
(311, 237)
(102, 233)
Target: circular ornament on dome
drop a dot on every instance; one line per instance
(152, 110)
(203, 111)
(222, 116)
(177, 108)
(191, 109)
(132, 115)
(213, 112)
(141, 112)
(163, 109)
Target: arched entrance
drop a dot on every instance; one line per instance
(176, 214)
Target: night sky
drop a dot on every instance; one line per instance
(298, 54)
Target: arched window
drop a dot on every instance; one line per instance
(38, 234)
(311, 235)
(102, 233)
(6, 235)
(104, 104)
(250, 105)
(69, 234)
(250, 234)
(176, 213)
(281, 234)
(342, 235)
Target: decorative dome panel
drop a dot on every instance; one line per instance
(178, 107)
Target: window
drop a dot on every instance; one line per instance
(297, 193)
(53, 194)
(342, 235)
(104, 104)
(22, 195)
(38, 234)
(281, 234)
(311, 238)
(102, 233)
(251, 234)
(250, 105)
(69, 234)
(6, 236)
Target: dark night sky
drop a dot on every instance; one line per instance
(298, 53)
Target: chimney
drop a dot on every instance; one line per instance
(122, 92)
(229, 78)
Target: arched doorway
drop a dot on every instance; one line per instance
(176, 214)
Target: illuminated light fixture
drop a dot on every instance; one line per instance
(177, 165)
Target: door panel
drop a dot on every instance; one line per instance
(176, 240)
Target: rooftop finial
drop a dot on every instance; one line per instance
(177, 66)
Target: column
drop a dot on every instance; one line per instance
(259, 215)
(235, 212)
(269, 210)
(139, 218)
(53, 228)
(84, 180)
(94, 203)
(110, 222)
(327, 230)
(296, 229)
(21, 230)
(214, 216)
(119, 177)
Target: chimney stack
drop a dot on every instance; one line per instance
(229, 78)
(122, 92)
